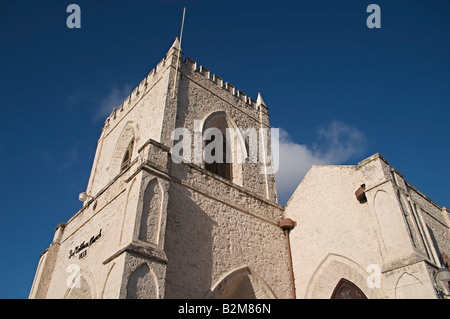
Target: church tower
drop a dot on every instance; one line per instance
(160, 220)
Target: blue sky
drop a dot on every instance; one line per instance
(338, 91)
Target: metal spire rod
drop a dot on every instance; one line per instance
(179, 51)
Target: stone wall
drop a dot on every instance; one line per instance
(140, 117)
(396, 231)
(214, 228)
(333, 238)
(201, 94)
(436, 225)
(104, 215)
(158, 229)
(163, 230)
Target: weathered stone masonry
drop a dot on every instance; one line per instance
(171, 230)
(152, 228)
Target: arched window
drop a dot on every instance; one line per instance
(347, 290)
(127, 156)
(217, 146)
(221, 168)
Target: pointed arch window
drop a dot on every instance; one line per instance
(220, 166)
(347, 290)
(126, 161)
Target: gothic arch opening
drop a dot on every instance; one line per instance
(224, 149)
(239, 288)
(345, 289)
(126, 161)
(141, 284)
(151, 213)
(79, 287)
(333, 271)
(123, 152)
(217, 147)
(405, 288)
(241, 283)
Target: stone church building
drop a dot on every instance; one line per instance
(155, 227)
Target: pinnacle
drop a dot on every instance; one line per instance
(174, 48)
(176, 44)
(259, 100)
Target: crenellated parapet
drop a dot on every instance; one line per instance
(144, 86)
(188, 67)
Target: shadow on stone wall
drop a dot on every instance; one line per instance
(188, 245)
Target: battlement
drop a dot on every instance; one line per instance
(145, 85)
(190, 66)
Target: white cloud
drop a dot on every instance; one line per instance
(339, 142)
(112, 100)
(335, 144)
